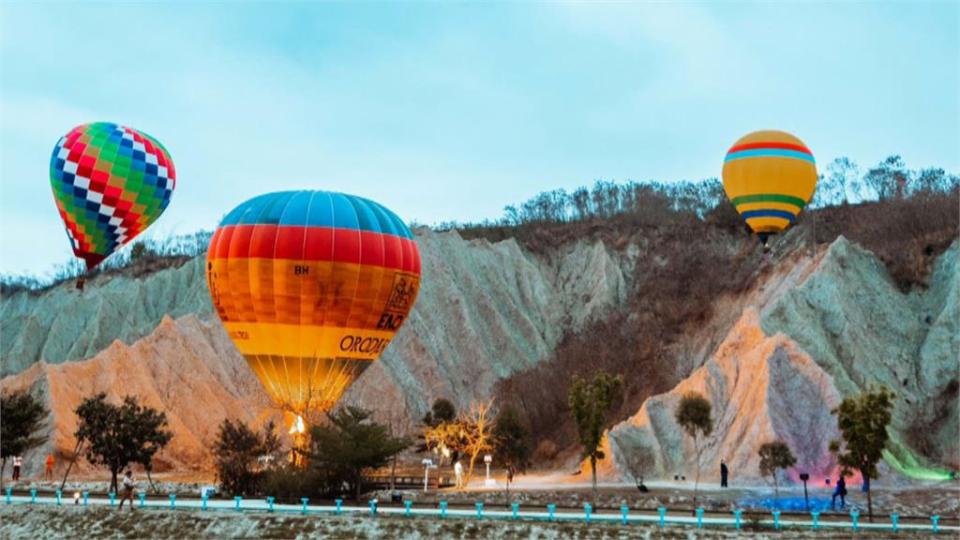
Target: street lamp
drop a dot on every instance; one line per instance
(427, 465)
(488, 459)
(804, 477)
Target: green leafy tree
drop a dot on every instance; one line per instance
(693, 415)
(442, 411)
(512, 443)
(590, 403)
(863, 422)
(439, 430)
(21, 417)
(774, 456)
(117, 435)
(237, 452)
(350, 444)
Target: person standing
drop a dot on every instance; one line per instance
(839, 491)
(128, 487)
(17, 463)
(723, 473)
(458, 472)
(48, 469)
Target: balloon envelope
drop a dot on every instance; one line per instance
(769, 176)
(110, 182)
(311, 286)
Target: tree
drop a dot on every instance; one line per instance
(639, 461)
(693, 415)
(442, 411)
(590, 403)
(117, 435)
(863, 424)
(476, 432)
(237, 451)
(889, 179)
(350, 444)
(843, 174)
(21, 417)
(774, 456)
(512, 442)
(138, 251)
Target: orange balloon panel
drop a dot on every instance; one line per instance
(311, 286)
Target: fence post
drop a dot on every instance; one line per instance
(894, 518)
(33, 495)
(339, 503)
(935, 523)
(9, 495)
(59, 494)
(586, 512)
(303, 502)
(816, 519)
(112, 497)
(854, 516)
(663, 516)
(407, 504)
(173, 501)
(776, 519)
(443, 509)
(86, 495)
(236, 501)
(203, 501)
(551, 509)
(737, 515)
(142, 497)
(699, 518)
(479, 510)
(624, 510)
(270, 504)
(516, 510)
(373, 507)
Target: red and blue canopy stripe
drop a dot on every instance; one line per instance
(769, 149)
(317, 226)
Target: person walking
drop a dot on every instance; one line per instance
(48, 469)
(458, 472)
(17, 463)
(723, 473)
(839, 491)
(128, 487)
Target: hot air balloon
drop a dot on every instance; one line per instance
(769, 176)
(311, 286)
(110, 182)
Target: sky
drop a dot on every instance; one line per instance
(451, 111)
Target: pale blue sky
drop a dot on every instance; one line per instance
(450, 111)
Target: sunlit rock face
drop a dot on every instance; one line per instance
(840, 329)
(484, 312)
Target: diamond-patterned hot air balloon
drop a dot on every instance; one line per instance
(110, 182)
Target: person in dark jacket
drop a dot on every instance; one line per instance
(723, 473)
(839, 491)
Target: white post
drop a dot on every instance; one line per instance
(427, 463)
(488, 459)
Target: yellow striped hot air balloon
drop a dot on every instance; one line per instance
(769, 176)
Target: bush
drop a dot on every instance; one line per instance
(237, 452)
(289, 483)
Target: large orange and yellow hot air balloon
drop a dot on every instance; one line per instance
(769, 176)
(311, 286)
